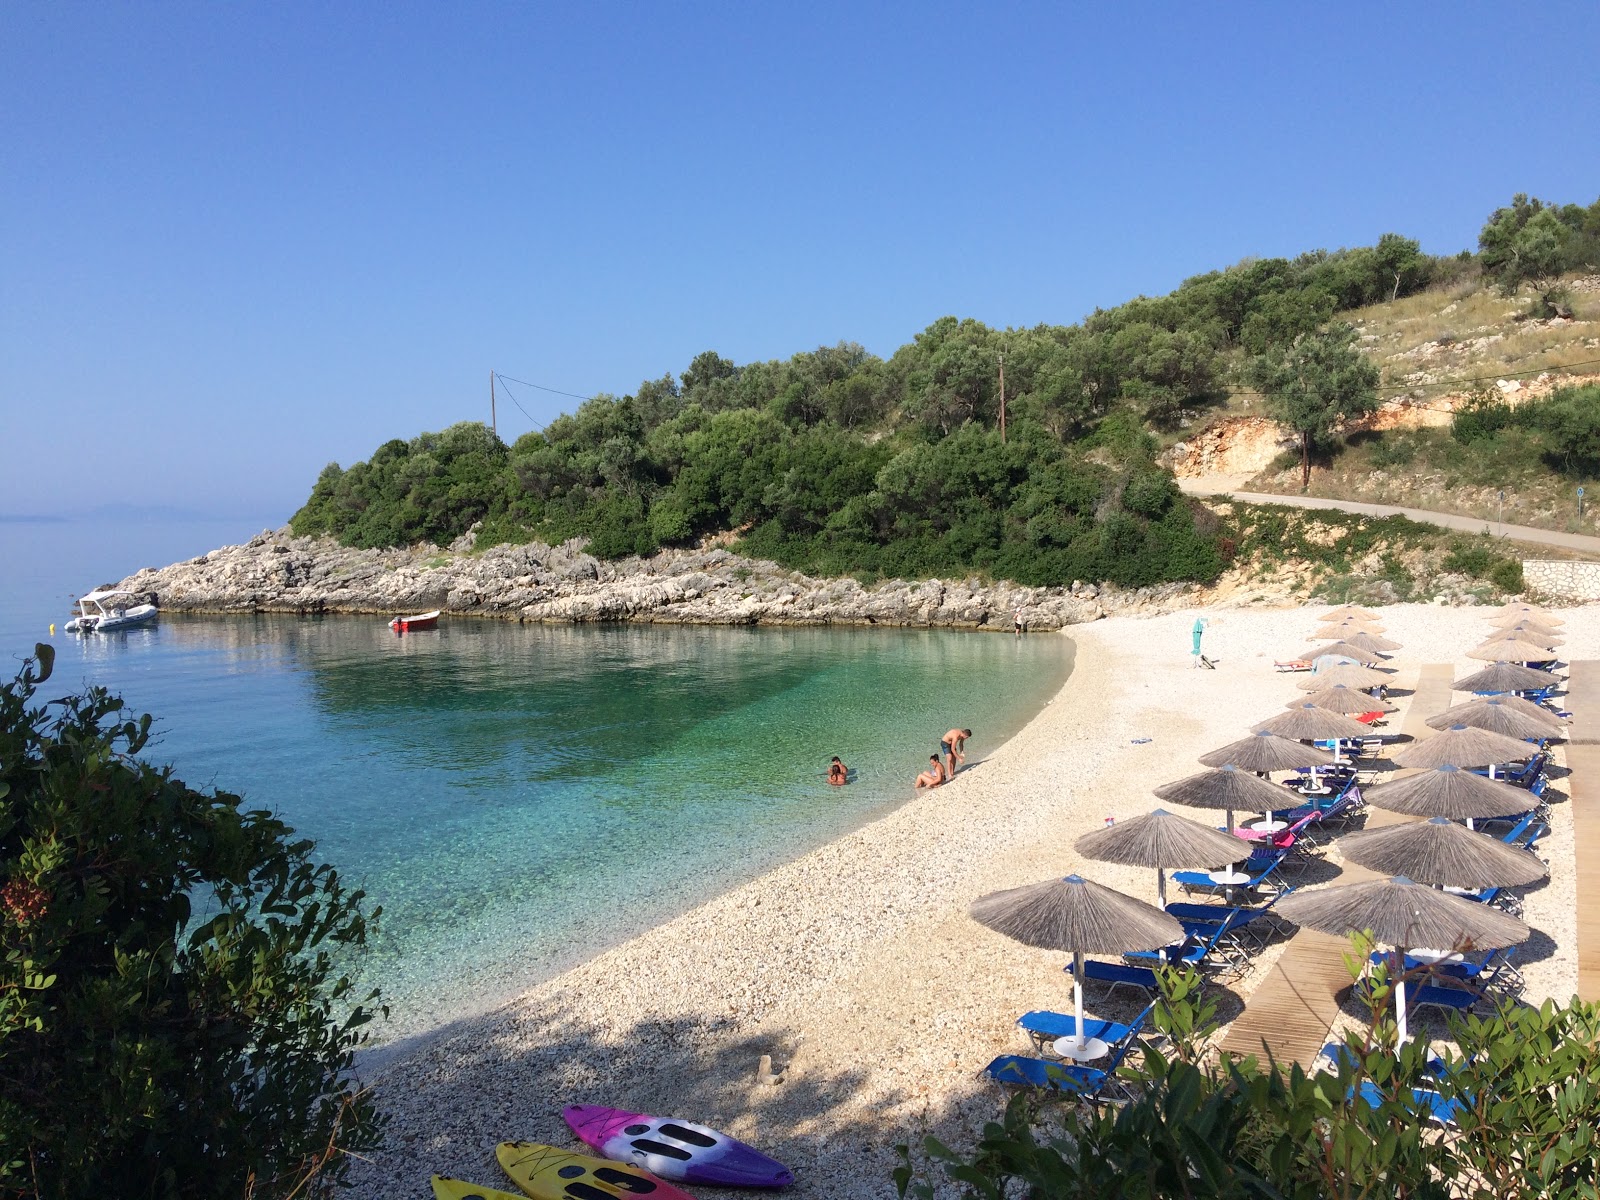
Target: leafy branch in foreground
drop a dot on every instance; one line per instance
(172, 1020)
(1521, 1090)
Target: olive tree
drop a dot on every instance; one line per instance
(1314, 381)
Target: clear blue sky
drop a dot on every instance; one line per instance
(242, 240)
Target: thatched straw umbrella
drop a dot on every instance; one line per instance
(1504, 700)
(1533, 637)
(1347, 611)
(1497, 717)
(1505, 677)
(1227, 787)
(1463, 746)
(1521, 611)
(1372, 642)
(1348, 674)
(1454, 793)
(1341, 698)
(1077, 916)
(1527, 625)
(1161, 839)
(1344, 650)
(1405, 915)
(1440, 852)
(1306, 722)
(1338, 629)
(1510, 649)
(1267, 752)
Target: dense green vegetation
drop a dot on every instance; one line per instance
(171, 1020)
(835, 461)
(1532, 244)
(1527, 1083)
(1562, 429)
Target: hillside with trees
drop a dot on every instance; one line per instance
(836, 461)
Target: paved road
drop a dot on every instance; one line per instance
(1522, 533)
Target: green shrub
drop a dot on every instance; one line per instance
(172, 1022)
(1393, 450)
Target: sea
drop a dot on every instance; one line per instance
(516, 797)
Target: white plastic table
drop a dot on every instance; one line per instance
(1092, 1048)
(1229, 878)
(1425, 954)
(1268, 826)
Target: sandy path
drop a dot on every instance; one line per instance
(856, 968)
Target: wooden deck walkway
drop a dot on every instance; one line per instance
(1583, 785)
(1290, 1013)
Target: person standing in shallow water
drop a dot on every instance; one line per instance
(838, 773)
(951, 746)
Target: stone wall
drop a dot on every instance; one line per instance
(1569, 580)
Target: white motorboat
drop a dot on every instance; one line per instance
(104, 611)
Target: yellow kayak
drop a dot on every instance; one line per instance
(546, 1173)
(445, 1188)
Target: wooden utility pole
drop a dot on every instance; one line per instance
(494, 423)
(1002, 398)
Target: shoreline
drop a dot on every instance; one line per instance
(855, 967)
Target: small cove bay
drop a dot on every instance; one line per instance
(518, 797)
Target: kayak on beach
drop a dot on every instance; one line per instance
(547, 1173)
(445, 1188)
(675, 1149)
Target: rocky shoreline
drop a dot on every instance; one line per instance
(276, 572)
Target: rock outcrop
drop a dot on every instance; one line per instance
(278, 572)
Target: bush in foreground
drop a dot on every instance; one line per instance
(1526, 1082)
(172, 1023)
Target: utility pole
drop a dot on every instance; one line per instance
(1002, 398)
(494, 423)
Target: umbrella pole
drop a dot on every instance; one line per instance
(1230, 820)
(1077, 993)
(1161, 886)
(1400, 997)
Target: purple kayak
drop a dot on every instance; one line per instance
(670, 1149)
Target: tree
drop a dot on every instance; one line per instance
(1315, 380)
(172, 1020)
(1529, 243)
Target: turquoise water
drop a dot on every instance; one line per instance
(519, 796)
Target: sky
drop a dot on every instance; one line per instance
(239, 241)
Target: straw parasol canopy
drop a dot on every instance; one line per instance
(1348, 611)
(1520, 610)
(1267, 752)
(1525, 625)
(1510, 649)
(1161, 839)
(1505, 677)
(1534, 637)
(1440, 852)
(1463, 746)
(1227, 787)
(1341, 698)
(1344, 650)
(1371, 642)
(1454, 793)
(1491, 714)
(1077, 916)
(1505, 700)
(1404, 914)
(1306, 722)
(1348, 674)
(1335, 630)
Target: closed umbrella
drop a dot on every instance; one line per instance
(1341, 698)
(1404, 914)
(1505, 700)
(1077, 916)
(1346, 612)
(1161, 839)
(1227, 787)
(1491, 714)
(1509, 649)
(1462, 746)
(1505, 677)
(1349, 674)
(1440, 852)
(1447, 791)
(1267, 752)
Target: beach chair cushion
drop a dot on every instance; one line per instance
(1117, 974)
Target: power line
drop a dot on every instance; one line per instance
(510, 395)
(539, 387)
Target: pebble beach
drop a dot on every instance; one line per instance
(844, 1002)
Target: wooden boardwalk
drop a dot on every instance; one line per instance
(1583, 785)
(1290, 1013)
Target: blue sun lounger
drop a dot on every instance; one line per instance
(1428, 1104)
(1044, 1026)
(1115, 975)
(1016, 1070)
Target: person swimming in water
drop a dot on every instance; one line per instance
(934, 775)
(838, 773)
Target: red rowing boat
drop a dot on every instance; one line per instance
(429, 620)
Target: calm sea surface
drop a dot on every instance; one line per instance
(519, 796)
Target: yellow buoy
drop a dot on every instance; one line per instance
(52, 629)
